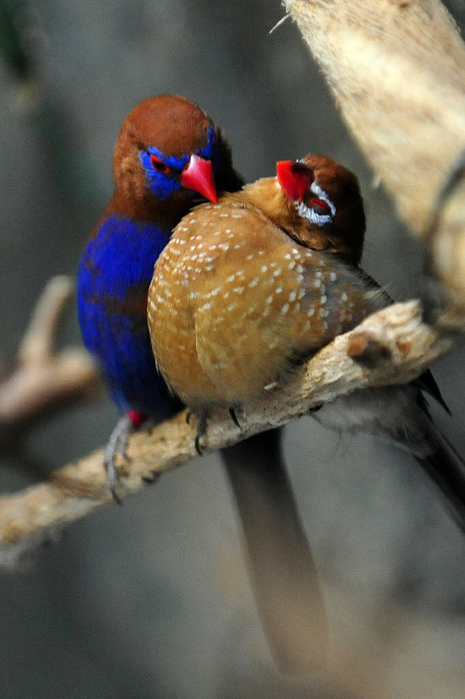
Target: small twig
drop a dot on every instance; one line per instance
(44, 378)
(279, 23)
(39, 513)
(37, 344)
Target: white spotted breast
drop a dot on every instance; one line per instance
(234, 302)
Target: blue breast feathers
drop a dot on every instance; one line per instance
(113, 279)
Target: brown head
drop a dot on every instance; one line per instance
(168, 150)
(317, 202)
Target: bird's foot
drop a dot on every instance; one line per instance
(117, 446)
(150, 480)
(201, 431)
(233, 415)
(202, 426)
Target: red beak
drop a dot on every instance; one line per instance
(294, 177)
(198, 175)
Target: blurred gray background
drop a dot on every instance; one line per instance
(151, 600)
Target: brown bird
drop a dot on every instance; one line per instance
(238, 298)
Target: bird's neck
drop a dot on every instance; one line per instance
(267, 195)
(146, 209)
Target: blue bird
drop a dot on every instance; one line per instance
(167, 153)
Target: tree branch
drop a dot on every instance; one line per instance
(43, 378)
(397, 71)
(373, 354)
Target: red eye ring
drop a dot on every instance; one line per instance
(158, 165)
(320, 206)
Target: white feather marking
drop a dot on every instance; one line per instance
(271, 385)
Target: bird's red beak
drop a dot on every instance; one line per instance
(198, 175)
(294, 177)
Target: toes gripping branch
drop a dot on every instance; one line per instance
(117, 446)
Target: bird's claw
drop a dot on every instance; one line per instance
(201, 432)
(116, 445)
(202, 427)
(153, 478)
(233, 415)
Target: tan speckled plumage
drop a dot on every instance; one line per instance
(235, 302)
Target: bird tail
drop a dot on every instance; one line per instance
(446, 468)
(281, 565)
(438, 458)
(399, 414)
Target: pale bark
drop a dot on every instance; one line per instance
(394, 340)
(397, 71)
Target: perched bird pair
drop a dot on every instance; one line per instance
(168, 155)
(245, 288)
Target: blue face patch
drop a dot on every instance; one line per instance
(164, 184)
(209, 151)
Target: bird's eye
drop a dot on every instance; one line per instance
(320, 207)
(158, 165)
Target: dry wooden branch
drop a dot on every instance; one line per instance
(44, 378)
(397, 70)
(397, 337)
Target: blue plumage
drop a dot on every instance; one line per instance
(114, 274)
